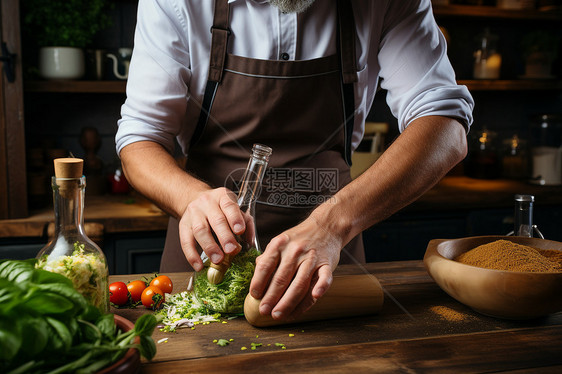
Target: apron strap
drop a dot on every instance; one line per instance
(219, 41)
(346, 47)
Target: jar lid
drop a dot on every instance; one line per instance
(525, 198)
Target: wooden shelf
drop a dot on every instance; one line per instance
(494, 12)
(76, 86)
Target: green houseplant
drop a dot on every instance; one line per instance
(62, 29)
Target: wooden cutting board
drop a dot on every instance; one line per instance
(349, 296)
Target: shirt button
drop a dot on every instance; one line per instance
(284, 56)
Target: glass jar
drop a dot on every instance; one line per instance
(483, 161)
(70, 252)
(223, 287)
(487, 61)
(515, 158)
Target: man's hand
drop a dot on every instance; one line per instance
(213, 216)
(296, 268)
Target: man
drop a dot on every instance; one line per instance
(300, 77)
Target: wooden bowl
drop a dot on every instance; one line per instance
(497, 293)
(130, 363)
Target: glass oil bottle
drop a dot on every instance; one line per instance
(70, 252)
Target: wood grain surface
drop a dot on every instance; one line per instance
(410, 334)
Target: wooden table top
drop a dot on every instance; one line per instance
(419, 329)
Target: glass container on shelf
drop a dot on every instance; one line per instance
(483, 161)
(70, 252)
(515, 159)
(223, 287)
(546, 151)
(487, 61)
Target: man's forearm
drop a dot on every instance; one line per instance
(415, 162)
(153, 172)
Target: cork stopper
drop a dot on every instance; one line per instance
(68, 167)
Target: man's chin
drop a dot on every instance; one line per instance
(292, 6)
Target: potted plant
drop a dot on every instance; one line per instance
(61, 30)
(540, 49)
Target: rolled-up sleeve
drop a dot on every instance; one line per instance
(158, 80)
(415, 69)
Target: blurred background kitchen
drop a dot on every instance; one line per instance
(508, 53)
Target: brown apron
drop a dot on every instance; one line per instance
(303, 110)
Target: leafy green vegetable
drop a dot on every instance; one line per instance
(184, 310)
(229, 295)
(46, 326)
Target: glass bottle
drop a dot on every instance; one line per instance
(487, 61)
(223, 287)
(70, 252)
(523, 217)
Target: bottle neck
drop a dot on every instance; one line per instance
(523, 217)
(68, 200)
(250, 187)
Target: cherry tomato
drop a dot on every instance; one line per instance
(135, 289)
(152, 297)
(163, 282)
(118, 293)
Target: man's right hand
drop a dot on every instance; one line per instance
(213, 216)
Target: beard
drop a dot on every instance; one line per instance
(291, 6)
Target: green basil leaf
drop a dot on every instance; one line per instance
(91, 314)
(17, 270)
(68, 292)
(89, 332)
(44, 277)
(106, 324)
(34, 335)
(146, 324)
(10, 296)
(47, 302)
(61, 337)
(147, 347)
(10, 338)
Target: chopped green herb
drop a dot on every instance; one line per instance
(229, 295)
(183, 310)
(222, 342)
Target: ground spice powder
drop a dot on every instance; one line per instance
(449, 314)
(506, 255)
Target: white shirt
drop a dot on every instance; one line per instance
(399, 46)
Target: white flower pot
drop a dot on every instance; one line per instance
(61, 63)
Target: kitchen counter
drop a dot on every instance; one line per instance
(115, 213)
(132, 213)
(419, 329)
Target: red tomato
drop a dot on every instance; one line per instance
(135, 289)
(163, 282)
(152, 297)
(118, 293)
